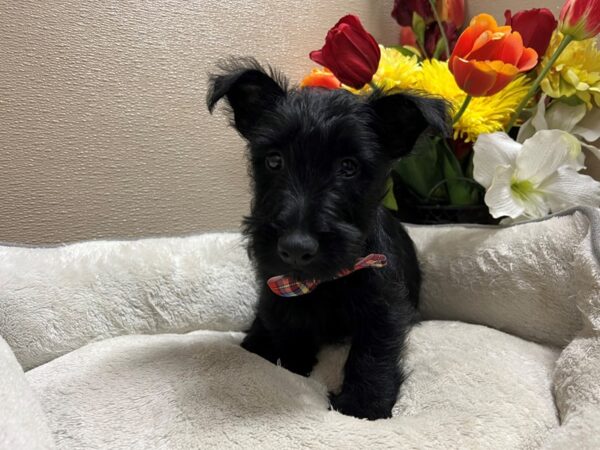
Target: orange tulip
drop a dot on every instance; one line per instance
(408, 37)
(452, 11)
(321, 78)
(487, 57)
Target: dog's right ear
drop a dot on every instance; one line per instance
(250, 92)
(402, 117)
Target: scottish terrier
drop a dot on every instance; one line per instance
(319, 161)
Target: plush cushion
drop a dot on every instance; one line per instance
(202, 390)
(54, 300)
(22, 420)
(520, 279)
(539, 281)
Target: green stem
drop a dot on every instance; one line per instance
(441, 26)
(462, 109)
(536, 84)
(445, 181)
(421, 49)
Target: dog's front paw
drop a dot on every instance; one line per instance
(302, 364)
(261, 346)
(363, 408)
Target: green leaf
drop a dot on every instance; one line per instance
(421, 171)
(461, 190)
(571, 101)
(407, 50)
(440, 48)
(418, 27)
(470, 167)
(389, 201)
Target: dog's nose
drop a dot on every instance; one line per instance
(297, 249)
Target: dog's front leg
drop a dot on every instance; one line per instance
(291, 348)
(372, 375)
(298, 353)
(259, 341)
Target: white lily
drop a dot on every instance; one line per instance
(576, 120)
(532, 179)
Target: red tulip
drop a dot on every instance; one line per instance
(433, 35)
(321, 78)
(461, 148)
(487, 57)
(448, 11)
(350, 52)
(580, 19)
(535, 27)
(456, 12)
(404, 9)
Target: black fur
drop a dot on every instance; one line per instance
(313, 130)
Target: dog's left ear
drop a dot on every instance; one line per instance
(401, 118)
(250, 91)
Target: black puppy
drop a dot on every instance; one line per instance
(319, 162)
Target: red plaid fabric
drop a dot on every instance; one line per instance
(285, 286)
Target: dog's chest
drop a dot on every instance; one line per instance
(329, 312)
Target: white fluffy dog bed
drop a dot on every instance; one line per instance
(134, 344)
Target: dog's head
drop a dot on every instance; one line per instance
(319, 162)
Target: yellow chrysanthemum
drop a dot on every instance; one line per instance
(484, 114)
(395, 71)
(576, 72)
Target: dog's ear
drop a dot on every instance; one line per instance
(250, 92)
(401, 118)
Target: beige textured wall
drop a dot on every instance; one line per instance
(103, 124)
(497, 7)
(103, 128)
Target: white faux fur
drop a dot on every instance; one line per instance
(577, 374)
(22, 421)
(519, 279)
(202, 390)
(470, 386)
(55, 300)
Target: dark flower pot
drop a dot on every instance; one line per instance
(440, 214)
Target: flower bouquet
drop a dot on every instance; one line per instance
(524, 97)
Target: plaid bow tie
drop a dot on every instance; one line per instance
(285, 286)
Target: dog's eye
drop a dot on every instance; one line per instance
(274, 161)
(348, 167)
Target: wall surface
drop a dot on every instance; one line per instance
(103, 126)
